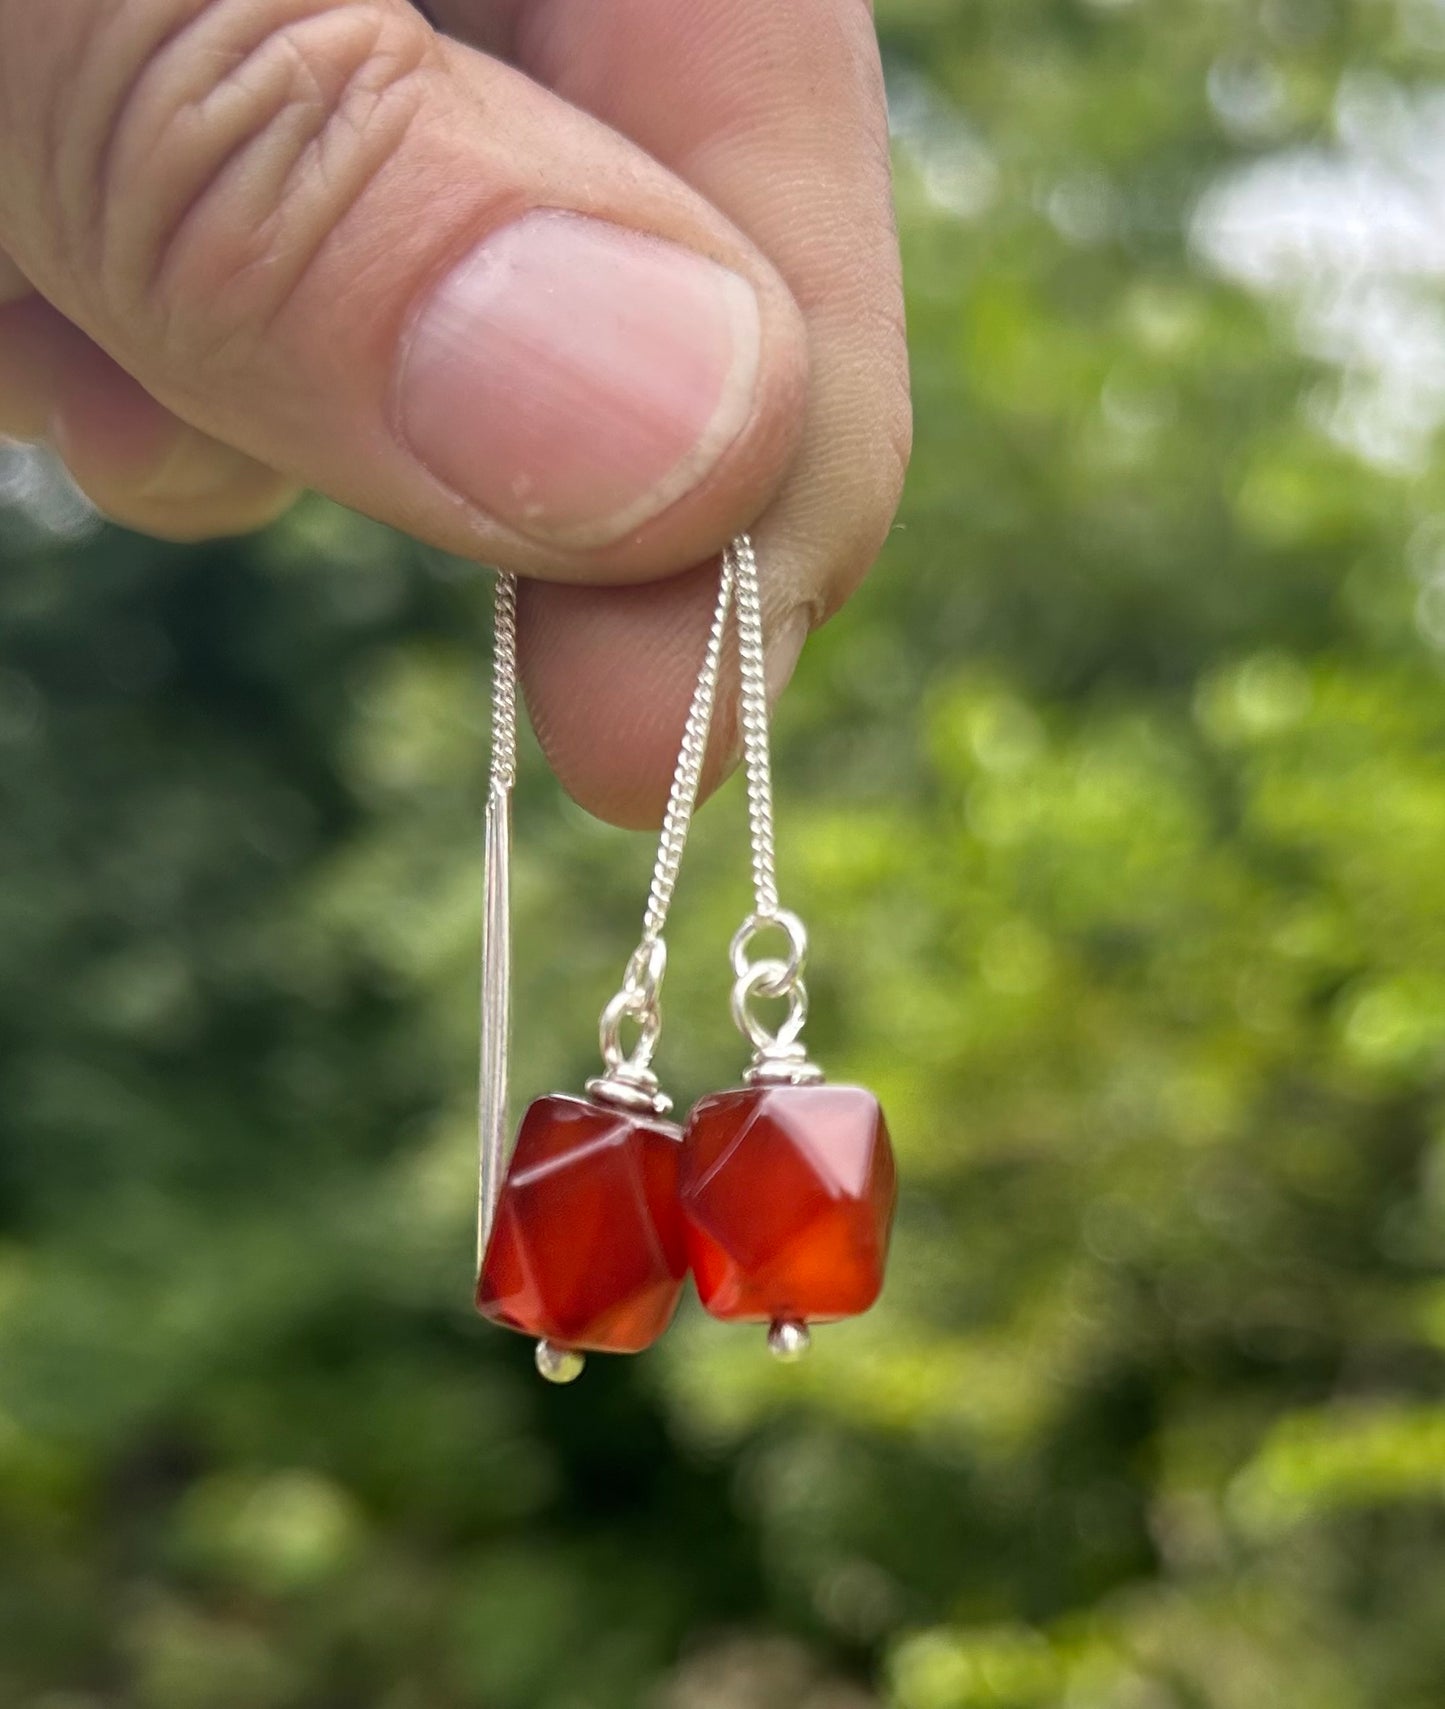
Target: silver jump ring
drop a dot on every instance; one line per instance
(782, 920)
(770, 979)
(629, 1006)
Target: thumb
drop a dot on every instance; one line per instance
(401, 272)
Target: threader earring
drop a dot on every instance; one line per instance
(780, 1195)
(579, 1236)
(788, 1183)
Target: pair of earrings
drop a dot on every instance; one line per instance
(777, 1195)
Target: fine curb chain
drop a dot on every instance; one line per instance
(753, 717)
(682, 798)
(628, 1072)
(778, 1053)
(504, 687)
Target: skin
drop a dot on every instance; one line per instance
(168, 304)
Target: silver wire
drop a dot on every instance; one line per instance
(496, 982)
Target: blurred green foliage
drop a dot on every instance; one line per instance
(1117, 802)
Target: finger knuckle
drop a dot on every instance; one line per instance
(236, 143)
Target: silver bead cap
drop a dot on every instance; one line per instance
(630, 1088)
(783, 1065)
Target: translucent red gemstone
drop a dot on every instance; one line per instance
(787, 1194)
(587, 1249)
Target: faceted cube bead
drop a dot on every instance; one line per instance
(787, 1194)
(587, 1250)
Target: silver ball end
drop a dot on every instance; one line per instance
(789, 1341)
(559, 1364)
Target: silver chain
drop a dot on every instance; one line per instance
(682, 797)
(753, 716)
(778, 1054)
(504, 686)
(629, 1077)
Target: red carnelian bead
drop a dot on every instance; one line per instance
(787, 1193)
(587, 1250)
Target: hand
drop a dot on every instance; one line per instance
(580, 288)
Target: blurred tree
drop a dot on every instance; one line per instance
(1117, 801)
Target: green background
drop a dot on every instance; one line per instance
(1116, 803)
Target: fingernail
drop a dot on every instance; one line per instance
(573, 379)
